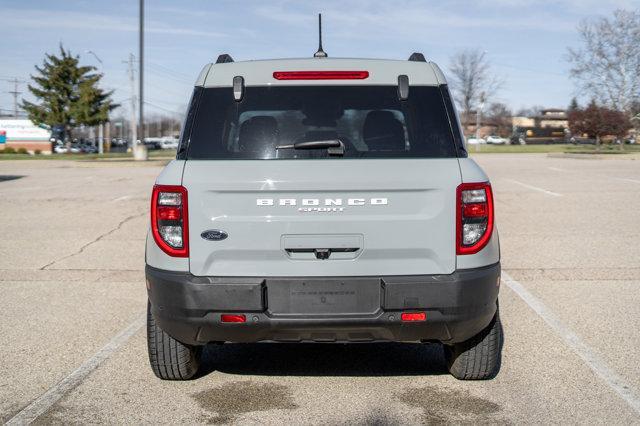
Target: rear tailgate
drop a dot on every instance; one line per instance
(383, 217)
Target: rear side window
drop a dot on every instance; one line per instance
(370, 120)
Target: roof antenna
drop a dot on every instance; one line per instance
(320, 53)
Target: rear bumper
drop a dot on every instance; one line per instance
(457, 306)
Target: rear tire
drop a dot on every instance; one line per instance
(169, 358)
(479, 357)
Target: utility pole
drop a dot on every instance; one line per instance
(15, 94)
(141, 57)
(132, 80)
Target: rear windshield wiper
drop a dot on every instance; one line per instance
(333, 146)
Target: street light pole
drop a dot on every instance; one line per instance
(141, 58)
(101, 125)
(479, 120)
(139, 150)
(91, 52)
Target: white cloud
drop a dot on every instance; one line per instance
(409, 17)
(58, 20)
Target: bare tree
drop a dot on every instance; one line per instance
(499, 115)
(473, 82)
(607, 66)
(635, 116)
(160, 125)
(531, 111)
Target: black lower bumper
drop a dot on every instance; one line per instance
(324, 309)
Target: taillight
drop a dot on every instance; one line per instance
(169, 219)
(320, 75)
(474, 217)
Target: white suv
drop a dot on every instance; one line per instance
(323, 200)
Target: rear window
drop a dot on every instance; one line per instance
(370, 121)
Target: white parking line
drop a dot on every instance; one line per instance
(557, 169)
(124, 197)
(535, 188)
(39, 406)
(627, 180)
(597, 364)
(23, 188)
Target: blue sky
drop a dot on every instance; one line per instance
(525, 40)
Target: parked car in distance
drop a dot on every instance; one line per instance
(152, 143)
(89, 149)
(474, 141)
(60, 149)
(496, 140)
(168, 143)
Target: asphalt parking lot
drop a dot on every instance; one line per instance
(73, 299)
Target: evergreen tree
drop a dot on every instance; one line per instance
(573, 106)
(68, 94)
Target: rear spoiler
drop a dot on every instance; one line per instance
(226, 58)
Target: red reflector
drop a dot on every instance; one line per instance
(169, 213)
(413, 316)
(320, 75)
(232, 318)
(475, 210)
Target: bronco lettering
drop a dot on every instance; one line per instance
(326, 202)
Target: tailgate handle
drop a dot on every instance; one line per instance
(323, 253)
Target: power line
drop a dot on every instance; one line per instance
(168, 90)
(169, 70)
(168, 76)
(530, 70)
(166, 102)
(162, 108)
(12, 79)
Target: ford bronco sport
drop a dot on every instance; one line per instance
(322, 200)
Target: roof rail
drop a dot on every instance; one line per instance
(417, 57)
(224, 58)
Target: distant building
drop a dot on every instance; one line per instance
(552, 117)
(550, 126)
(522, 121)
(488, 125)
(22, 133)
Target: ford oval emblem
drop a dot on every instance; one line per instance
(214, 235)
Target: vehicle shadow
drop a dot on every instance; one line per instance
(10, 177)
(319, 359)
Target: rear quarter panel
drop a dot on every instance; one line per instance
(154, 256)
(490, 254)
